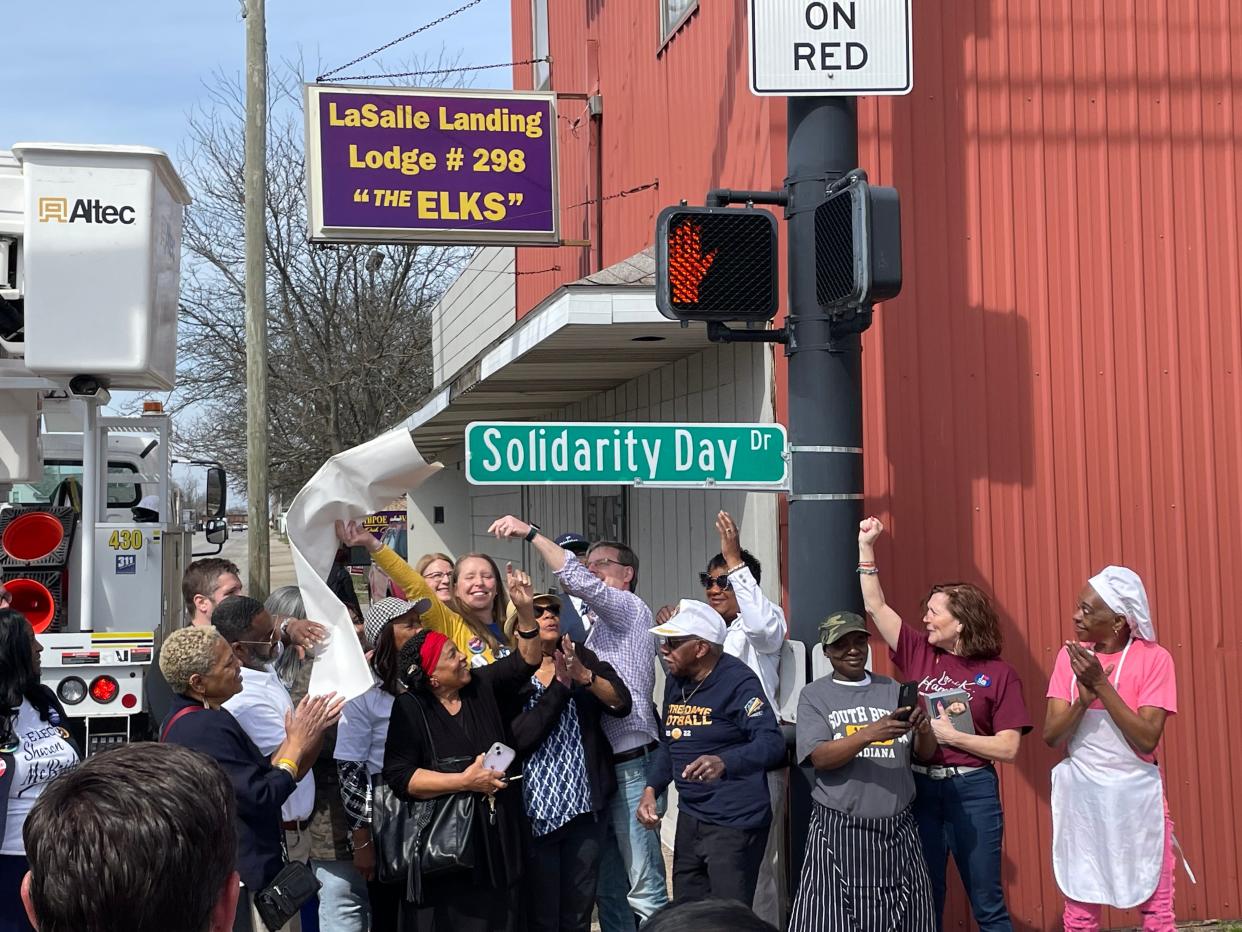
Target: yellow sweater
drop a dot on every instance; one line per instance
(439, 617)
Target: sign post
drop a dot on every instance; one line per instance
(702, 456)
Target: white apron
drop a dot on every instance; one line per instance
(1107, 815)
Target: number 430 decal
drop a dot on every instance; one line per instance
(125, 540)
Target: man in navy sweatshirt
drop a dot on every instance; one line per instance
(718, 739)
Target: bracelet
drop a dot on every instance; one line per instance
(284, 627)
(364, 844)
(288, 767)
(729, 570)
(868, 571)
(527, 635)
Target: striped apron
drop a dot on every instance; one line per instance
(863, 875)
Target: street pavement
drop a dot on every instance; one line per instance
(237, 549)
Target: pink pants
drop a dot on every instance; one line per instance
(1157, 912)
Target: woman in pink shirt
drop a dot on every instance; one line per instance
(1112, 689)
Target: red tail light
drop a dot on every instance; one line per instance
(104, 689)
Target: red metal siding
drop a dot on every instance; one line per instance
(1058, 387)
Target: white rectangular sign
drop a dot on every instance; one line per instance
(830, 47)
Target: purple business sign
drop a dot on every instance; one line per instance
(431, 166)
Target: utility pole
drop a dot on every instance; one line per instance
(825, 408)
(259, 569)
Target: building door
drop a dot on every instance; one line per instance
(607, 512)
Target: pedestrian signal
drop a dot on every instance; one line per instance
(857, 246)
(716, 263)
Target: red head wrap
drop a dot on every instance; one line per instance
(429, 653)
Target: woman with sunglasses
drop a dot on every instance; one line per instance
(956, 658)
(35, 747)
(567, 774)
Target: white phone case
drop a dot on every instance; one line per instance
(499, 757)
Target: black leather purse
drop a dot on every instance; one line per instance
(282, 899)
(396, 826)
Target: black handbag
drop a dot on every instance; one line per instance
(396, 826)
(282, 899)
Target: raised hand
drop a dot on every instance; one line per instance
(510, 527)
(353, 534)
(730, 539)
(666, 613)
(574, 667)
(869, 529)
(521, 591)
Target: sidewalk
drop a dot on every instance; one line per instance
(282, 563)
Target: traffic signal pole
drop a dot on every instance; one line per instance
(825, 409)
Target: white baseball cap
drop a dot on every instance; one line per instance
(693, 619)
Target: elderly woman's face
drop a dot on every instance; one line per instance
(943, 630)
(451, 670)
(1094, 621)
(223, 681)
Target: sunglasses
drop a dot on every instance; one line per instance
(720, 582)
(547, 610)
(675, 643)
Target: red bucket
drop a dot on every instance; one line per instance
(34, 601)
(32, 536)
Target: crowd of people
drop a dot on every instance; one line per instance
(508, 768)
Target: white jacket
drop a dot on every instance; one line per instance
(756, 635)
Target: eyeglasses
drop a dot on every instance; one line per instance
(673, 644)
(720, 582)
(439, 575)
(596, 564)
(547, 610)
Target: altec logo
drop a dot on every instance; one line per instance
(84, 210)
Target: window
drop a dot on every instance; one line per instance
(673, 13)
(539, 44)
(120, 494)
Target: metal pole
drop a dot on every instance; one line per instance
(259, 569)
(825, 409)
(92, 484)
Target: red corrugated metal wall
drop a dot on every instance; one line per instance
(1058, 387)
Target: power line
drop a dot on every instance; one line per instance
(388, 45)
(414, 74)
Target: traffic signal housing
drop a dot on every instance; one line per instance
(716, 264)
(857, 247)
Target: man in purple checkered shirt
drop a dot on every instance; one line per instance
(632, 879)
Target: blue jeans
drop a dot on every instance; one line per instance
(343, 902)
(631, 870)
(962, 816)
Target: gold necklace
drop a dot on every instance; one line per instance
(684, 697)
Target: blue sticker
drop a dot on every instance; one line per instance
(476, 645)
(126, 564)
(983, 680)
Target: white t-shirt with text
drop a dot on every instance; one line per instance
(42, 755)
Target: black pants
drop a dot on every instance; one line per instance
(561, 874)
(13, 868)
(385, 905)
(715, 861)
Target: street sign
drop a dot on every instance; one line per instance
(825, 49)
(748, 456)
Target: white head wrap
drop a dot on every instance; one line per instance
(1123, 592)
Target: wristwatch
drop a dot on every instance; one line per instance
(534, 529)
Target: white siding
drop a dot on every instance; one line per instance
(477, 309)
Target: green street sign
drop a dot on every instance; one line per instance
(750, 456)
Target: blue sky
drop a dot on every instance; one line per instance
(128, 71)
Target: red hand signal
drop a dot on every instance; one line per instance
(687, 265)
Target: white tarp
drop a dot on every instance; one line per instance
(350, 485)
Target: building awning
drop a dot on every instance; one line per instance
(586, 337)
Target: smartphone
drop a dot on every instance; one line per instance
(907, 699)
(499, 757)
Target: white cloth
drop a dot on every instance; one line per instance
(1122, 590)
(260, 710)
(43, 755)
(757, 634)
(363, 729)
(1107, 815)
(347, 487)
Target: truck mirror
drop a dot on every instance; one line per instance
(217, 492)
(217, 531)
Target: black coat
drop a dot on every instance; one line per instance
(478, 725)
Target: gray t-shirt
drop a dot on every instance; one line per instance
(877, 783)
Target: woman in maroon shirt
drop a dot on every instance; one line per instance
(978, 715)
